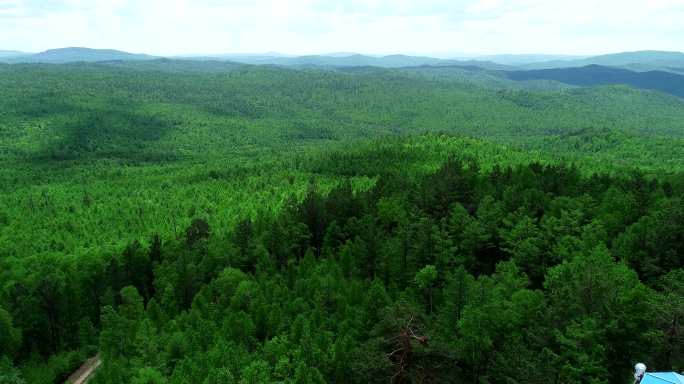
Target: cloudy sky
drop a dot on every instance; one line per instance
(435, 27)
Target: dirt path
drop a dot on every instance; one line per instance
(83, 374)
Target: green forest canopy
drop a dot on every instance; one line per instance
(211, 222)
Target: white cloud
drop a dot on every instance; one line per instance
(370, 26)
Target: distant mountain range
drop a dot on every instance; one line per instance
(12, 54)
(638, 61)
(601, 75)
(351, 60)
(69, 55)
(528, 59)
(656, 70)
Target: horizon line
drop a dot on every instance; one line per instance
(455, 55)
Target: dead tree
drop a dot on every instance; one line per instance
(401, 356)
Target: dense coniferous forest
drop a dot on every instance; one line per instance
(213, 222)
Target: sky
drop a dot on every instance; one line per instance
(444, 28)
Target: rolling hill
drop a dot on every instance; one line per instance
(639, 57)
(341, 60)
(333, 60)
(169, 108)
(73, 54)
(638, 61)
(601, 75)
(525, 59)
(6, 54)
(211, 222)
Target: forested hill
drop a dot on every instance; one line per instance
(639, 60)
(170, 109)
(74, 54)
(356, 60)
(4, 54)
(213, 222)
(458, 274)
(600, 75)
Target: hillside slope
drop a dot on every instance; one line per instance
(639, 60)
(7, 54)
(353, 60)
(74, 54)
(130, 110)
(599, 75)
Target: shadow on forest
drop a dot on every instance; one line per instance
(84, 132)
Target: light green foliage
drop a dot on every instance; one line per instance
(218, 223)
(220, 376)
(8, 373)
(256, 373)
(148, 376)
(426, 277)
(123, 152)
